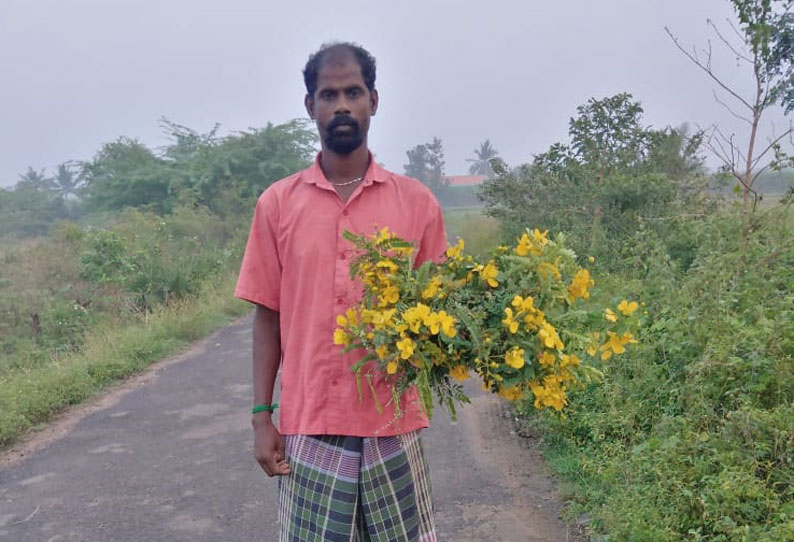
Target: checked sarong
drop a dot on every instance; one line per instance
(356, 489)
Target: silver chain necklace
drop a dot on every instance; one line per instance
(348, 182)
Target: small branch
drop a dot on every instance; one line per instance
(731, 111)
(728, 44)
(706, 69)
(758, 174)
(736, 31)
(772, 145)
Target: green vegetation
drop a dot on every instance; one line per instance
(691, 435)
(140, 259)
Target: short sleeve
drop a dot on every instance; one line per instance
(433, 244)
(260, 273)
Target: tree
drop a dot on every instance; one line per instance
(125, 173)
(604, 183)
(36, 180)
(426, 163)
(763, 42)
(481, 163)
(66, 183)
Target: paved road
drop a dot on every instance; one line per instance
(169, 459)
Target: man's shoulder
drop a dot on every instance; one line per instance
(277, 189)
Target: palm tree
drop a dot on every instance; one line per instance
(65, 183)
(35, 179)
(480, 165)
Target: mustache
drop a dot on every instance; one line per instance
(343, 120)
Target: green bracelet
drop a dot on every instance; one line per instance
(264, 408)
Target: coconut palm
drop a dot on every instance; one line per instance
(65, 183)
(480, 165)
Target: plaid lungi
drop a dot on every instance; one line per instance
(356, 489)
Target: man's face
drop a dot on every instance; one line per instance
(342, 104)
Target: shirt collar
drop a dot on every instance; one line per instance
(314, 174)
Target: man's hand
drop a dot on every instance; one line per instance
(269, 446)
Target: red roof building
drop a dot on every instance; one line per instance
(465, 180)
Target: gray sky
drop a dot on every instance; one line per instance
(77, 73)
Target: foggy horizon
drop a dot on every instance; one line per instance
(90, 72)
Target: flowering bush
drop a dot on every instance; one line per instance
(516, 321)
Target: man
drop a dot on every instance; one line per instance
(347, 472)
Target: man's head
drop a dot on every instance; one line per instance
(341, 95)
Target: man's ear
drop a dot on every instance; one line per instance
(308, 101)
(373, 101)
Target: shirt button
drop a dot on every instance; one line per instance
(334, 382)
(345, 213)
(339, 300)
(343, 256)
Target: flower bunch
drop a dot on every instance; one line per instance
(516, 320)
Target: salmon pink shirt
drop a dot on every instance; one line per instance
(296, 262)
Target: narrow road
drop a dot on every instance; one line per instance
(167, 457)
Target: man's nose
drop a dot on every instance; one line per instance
(342, 106)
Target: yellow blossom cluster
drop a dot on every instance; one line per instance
(506, 320)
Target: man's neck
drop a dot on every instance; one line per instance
(341, 168)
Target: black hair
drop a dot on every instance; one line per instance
(362, 56)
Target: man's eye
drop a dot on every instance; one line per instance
(326, 95)
(354, 92)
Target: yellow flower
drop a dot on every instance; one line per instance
(459, 373)
(522, 304)
(406, 348)
(352, 317)
(540, 237)
(549, 393)
(547, 358)
(610, 315)
(525, 246)
(341, 338)
(456, 252)
(628, 308)
(432, 288)
(569, 361)
(489, 273)
(549, 337)
(388, 265)
(615, 344)
(534, 321)
(382, 351)
(383, 235)
(383, 319)
(591, 259)
(580, 285)
(391, 367)
(389, 296)
(515, 357)
(447, 324)
(509, 322)
(512, 393)
(433, 323)
(341, 320)
(415, 316)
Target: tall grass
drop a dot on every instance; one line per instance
(33, 394)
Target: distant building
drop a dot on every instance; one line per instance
(465, 180)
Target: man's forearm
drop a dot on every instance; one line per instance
(267, 355)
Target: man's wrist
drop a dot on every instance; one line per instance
(263, 418)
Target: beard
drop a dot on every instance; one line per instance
(343, 141)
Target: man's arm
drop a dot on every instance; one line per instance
(268, 442)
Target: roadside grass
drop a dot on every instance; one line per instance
(109, 353)
(480, 232)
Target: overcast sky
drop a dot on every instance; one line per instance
(77, 73)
